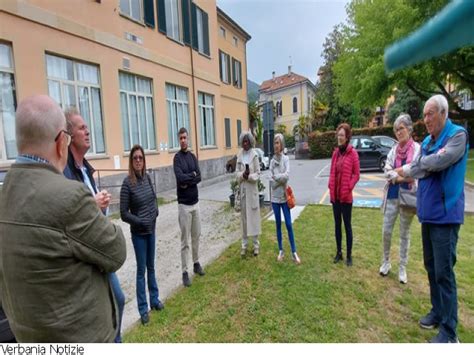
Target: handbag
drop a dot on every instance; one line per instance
(407, 199)
(290, 197)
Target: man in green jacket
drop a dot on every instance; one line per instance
(56, 246)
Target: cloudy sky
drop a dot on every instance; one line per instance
(284, 28)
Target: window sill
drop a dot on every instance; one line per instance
(204, 54)
(97, 157)
(147, 152)
(181, 43)
(209, 147)
(138, 22)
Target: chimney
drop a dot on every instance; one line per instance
(273, 75)
(289, 70)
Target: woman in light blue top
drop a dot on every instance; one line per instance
(280, 170)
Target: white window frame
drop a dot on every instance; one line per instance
(236, 71)
(170, 7)
(9, 70)
(77, 84)
(207, 120)
(222, 32)
(200, 30)
(224, 62)
(130, 15)
(178, 106)
(144, 138)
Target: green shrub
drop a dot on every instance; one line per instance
(289, 141)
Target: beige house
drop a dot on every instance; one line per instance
(292, 96)
(137, 70)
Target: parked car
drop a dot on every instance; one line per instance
(264, 161)
(386, 141)
(231, 163)
(372, 155)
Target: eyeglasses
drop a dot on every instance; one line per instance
(138, 158)
(68, 135)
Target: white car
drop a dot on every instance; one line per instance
(264, 161)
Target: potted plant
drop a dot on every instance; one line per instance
(234, 185)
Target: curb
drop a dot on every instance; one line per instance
(469, 185)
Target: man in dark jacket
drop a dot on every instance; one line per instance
(188, 175)
(79, 169)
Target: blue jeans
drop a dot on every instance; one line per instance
(439, 256)
(277, 207)
(144, 246)
(120, 299)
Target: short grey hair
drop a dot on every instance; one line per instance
(281, 138)
(405, 120)
(441, 103)
(69, 113)
(249, 136)
(38, 120)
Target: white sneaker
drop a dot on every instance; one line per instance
(296, 259)
(385, 268)
(402, 275)
(281, 255)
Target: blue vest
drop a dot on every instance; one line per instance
(440, 195)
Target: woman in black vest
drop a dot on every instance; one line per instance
(138, 207)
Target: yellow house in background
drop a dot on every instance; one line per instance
(292, 96)
(137, 70)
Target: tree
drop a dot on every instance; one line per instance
(303, 128)
(359, 72)
(405, 102)
(281, 128)
(254, 115)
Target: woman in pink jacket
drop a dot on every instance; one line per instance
(342, 180)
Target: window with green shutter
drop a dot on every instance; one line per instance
(149, 13)
(228, 142)
(200, 26)
(239, 130)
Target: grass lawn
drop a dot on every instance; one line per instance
(260, 300)
(470, 167)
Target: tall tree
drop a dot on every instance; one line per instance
(359, 72)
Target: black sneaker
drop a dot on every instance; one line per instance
(442, 338)
(158, 307)
(145, 319)
(198, 269)
(338, 257)
(186, 280)
(349, 261)
(429, 321)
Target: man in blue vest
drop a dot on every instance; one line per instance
(440, 208)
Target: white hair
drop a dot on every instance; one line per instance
(281, 138)
(405, 120)
(249, 136)
(38, 120)
(441, 103)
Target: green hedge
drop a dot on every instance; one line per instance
(322, 144)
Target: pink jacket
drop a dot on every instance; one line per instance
(347, 179)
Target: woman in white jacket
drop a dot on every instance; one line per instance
(280, 170)
(400, 195)
(248, 173)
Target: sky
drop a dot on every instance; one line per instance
(281, 29)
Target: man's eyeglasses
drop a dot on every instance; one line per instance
(138, 158)
(68, 135)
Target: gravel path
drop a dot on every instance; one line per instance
(220, 227)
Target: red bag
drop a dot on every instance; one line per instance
(290, 197)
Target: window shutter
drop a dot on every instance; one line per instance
(234, 77)
(240, 75)
(149, 13)
(185, 7)
(205, 31)
(194, 26)
(229, 77)
(220, 65)
(160, 7)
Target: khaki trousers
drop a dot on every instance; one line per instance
(190, 224)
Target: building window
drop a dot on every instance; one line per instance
(224, 67)
(7, 104)
(206, 113)
(178, 113)
(236, 73)
(280, 108)
(295, 105)
(76, 84)
(222, 31)
(136, 107)
(236, 41)
(228, 141)
(200, 30)
(277, 109)
(239, 130)
(132, 8)
(173, 20)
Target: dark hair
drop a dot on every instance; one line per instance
(346, 129)
(131, 172)
(182, 130)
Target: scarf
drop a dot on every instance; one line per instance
(405, 153)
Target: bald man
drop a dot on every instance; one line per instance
(56, 246)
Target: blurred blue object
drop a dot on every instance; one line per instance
(450, 29)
